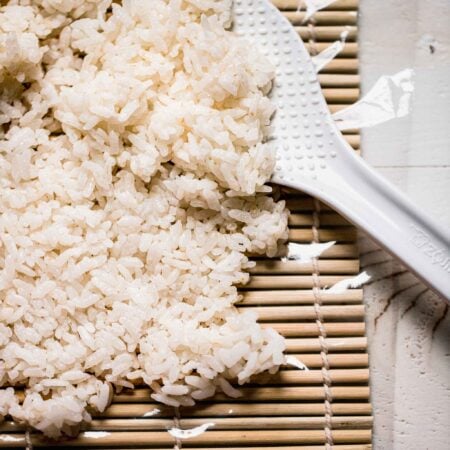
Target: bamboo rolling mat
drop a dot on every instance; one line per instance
(326, 407)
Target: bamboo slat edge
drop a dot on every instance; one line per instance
(230, 423)
(298, 313)
(267, 394)
(270, 266)
(337, 5)
(323, 17)
(249, 437)
(311, 329)
(349, 50)
(327, 33)
(21, 443)
(298, 297)
(218, 409)
(292, 281)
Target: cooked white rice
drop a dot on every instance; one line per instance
(132, 171)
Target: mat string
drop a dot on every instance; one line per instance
(176, 420)
(312, 41)
(28, 443)
(322, 333)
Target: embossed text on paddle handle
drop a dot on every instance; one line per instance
(437, 255)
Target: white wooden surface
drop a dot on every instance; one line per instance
(408, 326)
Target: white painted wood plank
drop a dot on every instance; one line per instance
(395, 35)
(408, 327)
(428, 187)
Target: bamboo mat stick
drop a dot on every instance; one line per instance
(298, 297)
(349, 50)
(267, 437)
(323, 17)
(309, 393)
(283, 423)
(302, 377)
(252, 423)
(353, 139)
(337, 80)
(293, 447)
(341, 65)
(216, 409)
(343, 266)
(302, 313)
(326, 33)
(350, 131)
(341, 96)
(337, 251)
(283, 377)
(341, 251)
(262, 394)
(311, 329)
(336, 108)
(339, 5)
(326, 219)
(291, 281)
(143, 394)
(20, 442)
(347, 360)
(344, 234)
(340, 344)
(210, 437)
(284, 447)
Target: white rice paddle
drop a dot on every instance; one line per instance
(314, 157)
